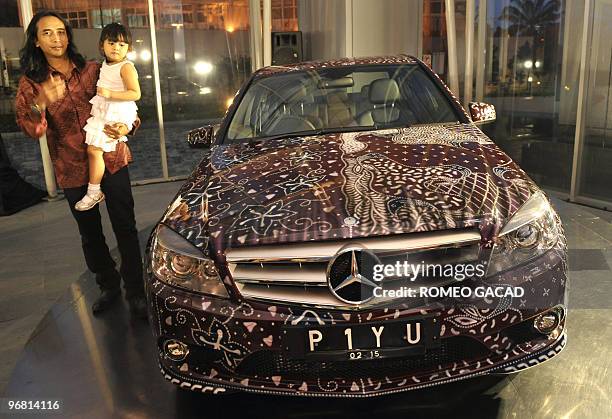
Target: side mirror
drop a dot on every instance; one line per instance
(202, 137)
(482, 113)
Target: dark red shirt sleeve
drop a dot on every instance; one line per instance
(29, 122)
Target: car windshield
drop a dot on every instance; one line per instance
(348, 98)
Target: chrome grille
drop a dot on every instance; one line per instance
(296, 273)
(281, 273)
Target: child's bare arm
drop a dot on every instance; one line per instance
(130, 80)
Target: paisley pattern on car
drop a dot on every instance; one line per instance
(273, 194)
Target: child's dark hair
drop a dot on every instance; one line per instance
(116, 32)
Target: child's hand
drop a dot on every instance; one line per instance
(104, 92)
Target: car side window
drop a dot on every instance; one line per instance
(426, 101)
(243, 118)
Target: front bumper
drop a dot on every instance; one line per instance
(243, 345)
(208, 384)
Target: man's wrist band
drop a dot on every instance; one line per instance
(36, 109)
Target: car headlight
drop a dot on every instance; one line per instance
(531, 232)
(177, 262)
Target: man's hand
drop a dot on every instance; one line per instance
(115, 130)
(104, 92)
(53, 90)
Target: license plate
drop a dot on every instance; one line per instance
(363, 341)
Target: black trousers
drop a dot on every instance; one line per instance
(120, 206)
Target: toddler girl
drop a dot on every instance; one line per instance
(117, 89)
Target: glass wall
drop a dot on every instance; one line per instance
(23, 152)
(204, 57)
(11, 40)
(284, 15)
(525, 61)
(87, 18)
(595, 170)
(524, 57)
(435, 51)
(435, 39)
(531, 76)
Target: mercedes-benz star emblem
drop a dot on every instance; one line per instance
(349, 273)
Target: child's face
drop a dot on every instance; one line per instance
(115, 50)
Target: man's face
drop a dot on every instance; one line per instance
(51, 37)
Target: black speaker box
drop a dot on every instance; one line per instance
(287, 48)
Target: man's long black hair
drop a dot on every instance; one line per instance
(33, 61)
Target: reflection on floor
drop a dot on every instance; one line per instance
(40, 256)
(106, 366)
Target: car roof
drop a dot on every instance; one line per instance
(338, 62)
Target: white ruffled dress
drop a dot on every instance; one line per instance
(105, 110)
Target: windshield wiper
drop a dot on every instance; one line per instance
(346, 129)
(321, 131)
(285, 135)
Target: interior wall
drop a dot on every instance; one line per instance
(380, 27)
(386, 27)
(570, 69)
(323, 26)
(599, 115)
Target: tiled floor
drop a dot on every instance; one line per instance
(40, 257)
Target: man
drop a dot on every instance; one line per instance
(53, 98)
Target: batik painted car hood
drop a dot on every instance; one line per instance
(349, 185)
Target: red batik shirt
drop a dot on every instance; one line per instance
(63, 122)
